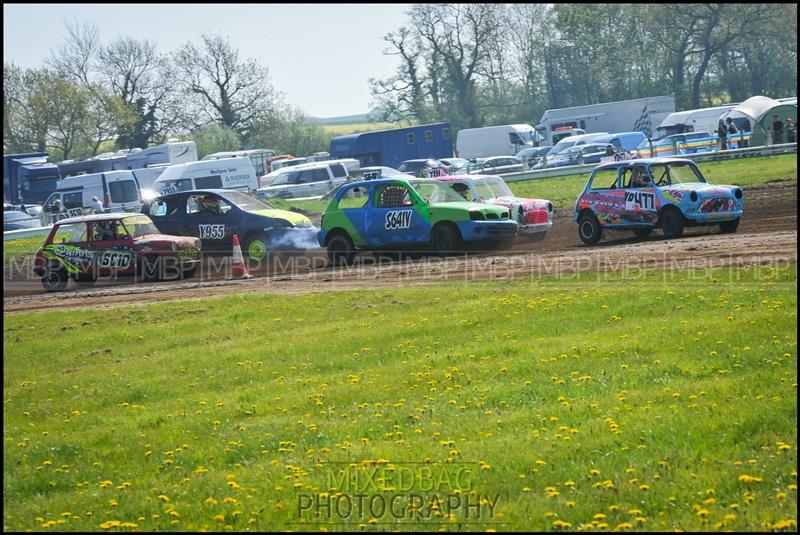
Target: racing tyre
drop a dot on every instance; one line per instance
(672, 224)
(151, 268)
(340, 250)
(446, 239)
(188, 273)
(55, 279)
(642, 233)
(729, 226)
(256, 247)
(589, 229)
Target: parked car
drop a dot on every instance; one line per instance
(215, 215)
(564, 145)
(424, 168)
(305, 180)
(534, 216)
(454, 165)
(17, 220)
(381, 171)
(87, 247)
(678, 145)
(496, 165)
(374, 214)
(643, 194)
(581, 155)
(533, 155)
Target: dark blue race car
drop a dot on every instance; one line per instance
(215, 215)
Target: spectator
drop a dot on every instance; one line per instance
(745, 128)
(732, 130)
(56, 210)
(96, 205)
(791, 132)
(777, 130)
(722, 132)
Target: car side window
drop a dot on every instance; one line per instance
(391, 196)
(71, 233)
(339, 170)
(109, 230)
(163, 208)
(320, 175)
(604, 179)
(355, 197)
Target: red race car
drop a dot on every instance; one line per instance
(87, 247)
(535, 216)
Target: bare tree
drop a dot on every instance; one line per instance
(227, 90)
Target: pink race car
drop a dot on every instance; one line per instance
(535, 216)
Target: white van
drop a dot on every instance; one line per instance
(502, 140)
(117, 190)
(230, 173)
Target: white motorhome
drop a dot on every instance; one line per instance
(258, 157)
(117, 190)
(703, 120)
(229, 173)
(168, 153)
(623, 116)
(501, 140)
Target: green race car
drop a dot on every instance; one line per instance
(388, 213)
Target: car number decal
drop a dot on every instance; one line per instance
(434, 173)
(640, 199)
(116, 259)
(371, 175)
(169, 189)
(397, 219)
(212, 232)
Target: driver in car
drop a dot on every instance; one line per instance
(640, 178)
(209, 205)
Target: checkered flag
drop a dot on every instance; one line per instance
(643, 123)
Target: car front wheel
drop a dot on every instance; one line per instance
(589, 229)
(446, 239)
(729, 226)
(340, 250)
(672, 224)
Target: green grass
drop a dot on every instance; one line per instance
(643, 400)
(343, 129)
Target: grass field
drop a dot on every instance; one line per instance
(565, 189)
(664, 402)
(343, 129)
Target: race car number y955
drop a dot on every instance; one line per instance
(212, 232)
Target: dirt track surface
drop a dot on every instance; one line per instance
(766, 236)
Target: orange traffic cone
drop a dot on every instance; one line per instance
(238, 268)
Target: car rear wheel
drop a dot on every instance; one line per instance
(672, 223)
(340, 250)
(589, 229)
(446, 239)
(55, 279)
(642, 233)
(729, 226)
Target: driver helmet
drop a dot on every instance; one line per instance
(207, 201)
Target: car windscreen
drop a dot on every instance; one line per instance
(434, 191)
(491, 188)
(139, 225)
(676, 173)
(246, 202)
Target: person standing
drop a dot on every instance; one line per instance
(777, 130)
(722, 132)
(732, 131)
(96, 205)
(791, 132)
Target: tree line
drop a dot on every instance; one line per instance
(91, 97)
(482, 64)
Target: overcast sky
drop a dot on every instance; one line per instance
(319, 55)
